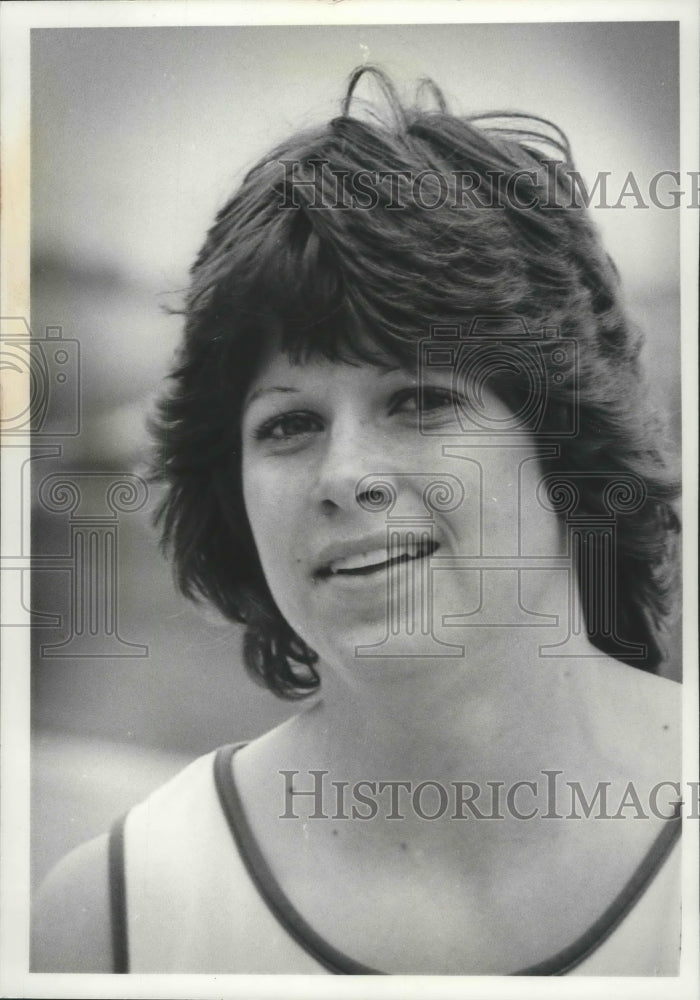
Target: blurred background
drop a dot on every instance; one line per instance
(138, 136)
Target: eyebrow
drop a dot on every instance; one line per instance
(256, 393)
(263, 391)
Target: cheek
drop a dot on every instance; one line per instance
(500, 513)
(542, 531)
(251, 496)
(272, 520)
(275, 530)
(258, 496)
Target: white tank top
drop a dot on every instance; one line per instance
(192, 893)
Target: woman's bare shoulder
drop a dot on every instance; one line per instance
(641, 715)
(71, 929)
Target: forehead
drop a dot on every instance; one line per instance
(277, 359)
(337, 337)
(278, 371)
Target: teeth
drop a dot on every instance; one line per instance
(372, 558)
(377, 557)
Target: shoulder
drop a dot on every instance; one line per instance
(181, 808)
(647, 714)
(72, 916)
(634, 721)
(72, 920)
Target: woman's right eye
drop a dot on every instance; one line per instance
(288, 426)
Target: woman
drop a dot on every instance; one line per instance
(407, 446)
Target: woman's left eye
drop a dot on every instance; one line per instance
(425, 401)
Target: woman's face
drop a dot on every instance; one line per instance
(346, 571)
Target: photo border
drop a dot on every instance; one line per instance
(17, 20)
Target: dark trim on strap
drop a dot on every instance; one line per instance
(571, 956)
(338, 963)
(117, 898)
(267, 884)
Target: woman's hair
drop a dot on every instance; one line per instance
(352, 242)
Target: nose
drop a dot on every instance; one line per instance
(352, 456)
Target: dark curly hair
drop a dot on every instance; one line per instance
(322, 249)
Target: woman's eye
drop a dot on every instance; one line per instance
(288, 427)
(428, 400)
(436, 399)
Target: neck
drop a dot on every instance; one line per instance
(500, 707)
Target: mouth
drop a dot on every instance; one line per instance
(377, 560)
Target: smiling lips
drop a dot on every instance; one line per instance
(374, 560)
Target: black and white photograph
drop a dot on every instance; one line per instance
(349, 458)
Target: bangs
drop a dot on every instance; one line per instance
(299, 257)
(296, 293)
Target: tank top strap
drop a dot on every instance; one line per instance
(336, 962)
(117, 897)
